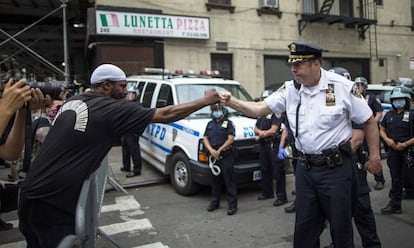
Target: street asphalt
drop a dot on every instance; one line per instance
(392, 229)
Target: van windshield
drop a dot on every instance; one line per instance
(382, 94)
(190, 92)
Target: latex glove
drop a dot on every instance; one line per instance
(282, 153)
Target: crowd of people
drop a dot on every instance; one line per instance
(331, 123)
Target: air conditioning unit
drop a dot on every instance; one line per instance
(269, 4)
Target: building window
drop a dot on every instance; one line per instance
(310, 6)
(223, 63)
(220, 4)
(345, 8)
(224, 2)
(276, 71)
(379, 2)
(412, 14)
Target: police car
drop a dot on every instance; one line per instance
(176, 149)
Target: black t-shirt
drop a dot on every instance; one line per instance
(83, 132)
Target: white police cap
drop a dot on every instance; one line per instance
(107, 72)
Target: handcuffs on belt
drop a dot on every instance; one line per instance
(215, 169)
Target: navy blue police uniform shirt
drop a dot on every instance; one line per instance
(266, 122)
(83, 132)
(398, 125)
(218, 132)
(373, 103)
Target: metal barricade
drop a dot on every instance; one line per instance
(88, 211)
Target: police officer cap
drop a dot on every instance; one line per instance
(408, 85)
(361, 80)
(107, 72)
(341, 71)
(215, 107)
(302, 51)
(400, 92)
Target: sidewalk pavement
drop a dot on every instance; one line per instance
(149, 175)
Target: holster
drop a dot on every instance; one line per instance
(362, 154)
(333, 157)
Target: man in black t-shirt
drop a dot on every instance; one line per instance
(83, 132)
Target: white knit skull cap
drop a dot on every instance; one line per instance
(107, 72)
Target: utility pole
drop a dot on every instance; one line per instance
(65, 43)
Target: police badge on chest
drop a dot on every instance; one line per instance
(330, 95)
(406, 116)
(225, 124)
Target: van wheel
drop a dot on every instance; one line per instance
(181, 175)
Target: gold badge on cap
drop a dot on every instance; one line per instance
(293, 48)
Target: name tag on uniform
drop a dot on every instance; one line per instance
(225, 124)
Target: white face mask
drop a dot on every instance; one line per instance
(398, 103)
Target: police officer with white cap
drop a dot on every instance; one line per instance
(83, 132)
(320, 116)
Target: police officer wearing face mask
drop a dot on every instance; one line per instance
(375, 105)
(218, 139)
(397, 132)
(408, 190)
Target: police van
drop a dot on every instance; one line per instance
(383, 93)
(176, 149)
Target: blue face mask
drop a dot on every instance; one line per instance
(398, 103)
(217, 114)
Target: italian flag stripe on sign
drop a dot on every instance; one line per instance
(109, 20)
